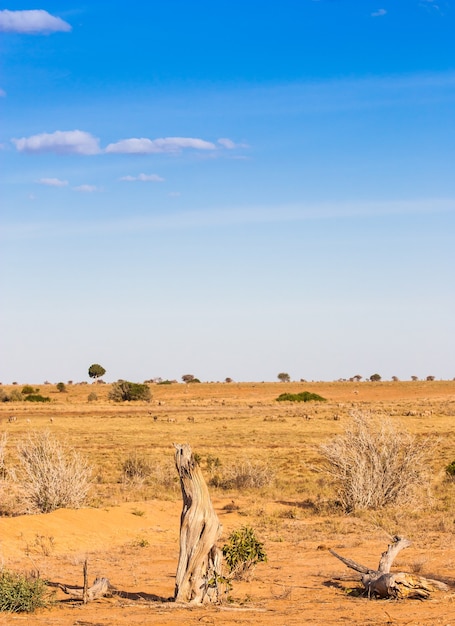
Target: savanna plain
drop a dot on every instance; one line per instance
(128, 529)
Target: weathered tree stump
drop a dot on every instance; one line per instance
(199, 566)
(383, 584)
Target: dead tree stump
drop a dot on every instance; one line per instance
(383, 584)
(199, 566)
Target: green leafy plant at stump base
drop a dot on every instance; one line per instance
(243, 552)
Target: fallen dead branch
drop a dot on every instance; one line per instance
(381, 583)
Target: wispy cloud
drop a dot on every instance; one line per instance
(153, 146)
(59, 142)
(52, 182)
(31, 22)
(81, 142)
(146, 178)
(2, 93)
(379, 13)
(231, 145)
(86, 188)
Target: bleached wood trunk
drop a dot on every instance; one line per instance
(199, 563)
(383, 584)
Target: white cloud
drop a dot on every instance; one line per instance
(32, 22)
(60, 142)
(2, 93)
(86, 188)
(52, 182)
(153, 178)
(379, 13)
(153, 146)
(231, 145)
(226, 143)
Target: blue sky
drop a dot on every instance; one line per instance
(228, 189)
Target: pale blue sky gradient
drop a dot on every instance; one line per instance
(227, 189)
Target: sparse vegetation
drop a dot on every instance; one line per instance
(242, 552)
(61, 387)
(284, 377)
(375, 464)
(243, 475)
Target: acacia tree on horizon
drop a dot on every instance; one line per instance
(96, 371)
(284, 377)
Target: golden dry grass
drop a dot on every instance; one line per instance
(137, 543)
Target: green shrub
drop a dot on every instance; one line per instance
(36, 397)
(92, 397)
(22, 594)
(125, 391)
(61, 387)
(27, 390)
(303, 396)
(450, 470)
(243, 552)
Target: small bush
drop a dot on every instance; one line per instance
(243, 552)
(3, 470)
(135, 468)
(243, 475)
(61, 387)
(374, 464)
(450, 470)
(125, 391)
(22, 594)
(303, 396)
(52, 476)
(92, 397)
(36, 397)
(27, 390)
(16, 396)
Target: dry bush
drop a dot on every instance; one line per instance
(138, 470)
(51, 475)
(374, 464)
(135, 469)
(3, 440)
(243, 475)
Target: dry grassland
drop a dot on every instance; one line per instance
(130, 531)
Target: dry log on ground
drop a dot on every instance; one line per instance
(199, 566)
(383, 584)
(100, 588)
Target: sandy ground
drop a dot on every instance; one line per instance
(135, 545)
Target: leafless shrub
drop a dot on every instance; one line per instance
(374, 464)
(51, 475)
(3, 440)
(138, 470)
(135, 469)
(243, 475)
